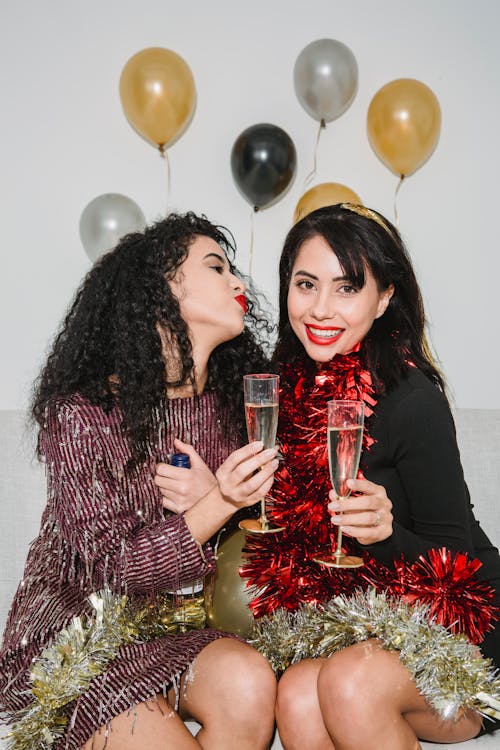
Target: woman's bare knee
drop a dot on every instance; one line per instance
(365, 668)
(298, 714)
(366, 694)
(231, 683)
(235, 670)
(297, 691)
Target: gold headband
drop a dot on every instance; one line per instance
(368, 214)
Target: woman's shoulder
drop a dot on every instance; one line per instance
(76, 414)
(75, 427)
(416, 384)
(416, 397)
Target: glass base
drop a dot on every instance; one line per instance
(340, 561)
(257, 526)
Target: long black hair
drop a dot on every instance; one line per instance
(109, 347)
(363, 239)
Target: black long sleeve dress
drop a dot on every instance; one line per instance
(416, 458)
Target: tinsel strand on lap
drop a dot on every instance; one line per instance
(81, 651)
(281, 568)
(448, 670)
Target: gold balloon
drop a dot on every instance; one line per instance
(326, 194)
(226, 595)
(158, 95)
(403, 123)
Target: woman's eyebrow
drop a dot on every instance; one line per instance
(221, 257)
(312, 276)
(305, 273)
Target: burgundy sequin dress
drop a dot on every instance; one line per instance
(100, 527)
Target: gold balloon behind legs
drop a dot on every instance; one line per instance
(226, 595)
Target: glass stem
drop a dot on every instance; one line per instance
(338, 551)
(263, 518)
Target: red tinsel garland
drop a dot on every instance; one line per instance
(448, 585)
(281, 566)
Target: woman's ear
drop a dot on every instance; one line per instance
(384, 299)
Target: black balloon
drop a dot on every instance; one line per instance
(263, 161)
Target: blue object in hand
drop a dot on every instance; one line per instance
(180, 459)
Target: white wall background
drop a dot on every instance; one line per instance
(64, 140)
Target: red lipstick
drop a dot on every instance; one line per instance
(326, 340)
(242, 300)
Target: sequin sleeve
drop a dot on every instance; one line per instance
(101, 519)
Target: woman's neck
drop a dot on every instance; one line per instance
(187, 390)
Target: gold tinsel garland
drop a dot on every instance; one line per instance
(448, 670)
(81, 651)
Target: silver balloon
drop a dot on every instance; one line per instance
(105, 220)
(325, 78)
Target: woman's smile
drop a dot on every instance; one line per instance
(323, 336)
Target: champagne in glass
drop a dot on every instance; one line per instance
(261, 411)
(344, 450)
(344, 439)
(262, 422)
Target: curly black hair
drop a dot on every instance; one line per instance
(365, 240)
(109, 347)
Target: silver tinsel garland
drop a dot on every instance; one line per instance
(448, 670)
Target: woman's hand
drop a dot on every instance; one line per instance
(182, 488)
(243, 479)
(247, 474)
(366, 516)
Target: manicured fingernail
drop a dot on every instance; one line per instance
(258, 444)
(334, 505)
(269, 453)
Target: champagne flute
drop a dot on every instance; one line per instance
(261, 396)
(344, 439)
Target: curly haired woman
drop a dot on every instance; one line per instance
(148, 361)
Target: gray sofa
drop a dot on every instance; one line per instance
(22, 490)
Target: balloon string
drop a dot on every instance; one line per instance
(164, 155)
(312, 173)
(396, 216)
(250, 252)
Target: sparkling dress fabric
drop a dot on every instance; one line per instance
(103, 526)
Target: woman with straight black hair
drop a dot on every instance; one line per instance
(352, 327)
